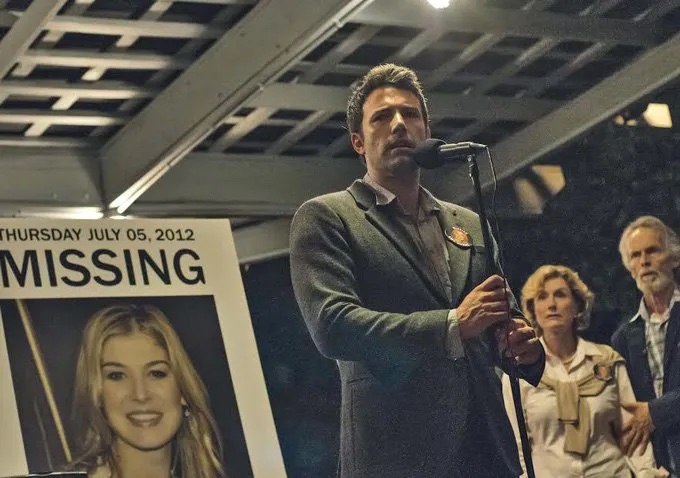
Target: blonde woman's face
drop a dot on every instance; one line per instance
(140, 396)
(555, 306)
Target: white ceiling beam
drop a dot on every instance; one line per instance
(121, 61)
(7, 19)
(223, 2)
(51, 38)
(469, 16)
(446, 45)
(118, 27)
(299, 131)
(151, 61)
(29, 210)
(477, 48)
(261, 47)
(228, 180)
(41, 177)
(45, 142)
(23, 31)
(333, 98)
(190, 49)
(103, 90)
(356, 39)
(538, 50)
(649, 72)
(72, 118)
(264, 241)
(254, 119)
(464, 77)
(248, 185)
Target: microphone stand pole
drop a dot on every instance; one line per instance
(510, 365)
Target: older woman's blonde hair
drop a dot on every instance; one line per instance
(582, 294)
(197, 445)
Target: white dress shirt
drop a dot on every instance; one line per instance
(604, 458)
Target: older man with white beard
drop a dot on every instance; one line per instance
(650, 341)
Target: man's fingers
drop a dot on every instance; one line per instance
(626, 429)
(629, 406)
(645, 444)
(523, 347)
(518, 324)
(501, 341)
(496, 307)
(492, 318)
(626, 436)
(493, 282)
(626, 442)
(520, 335)
(490, 282)
(493, 296)
(637, 439)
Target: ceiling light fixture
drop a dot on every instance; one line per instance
(439, 3)
(657, 115)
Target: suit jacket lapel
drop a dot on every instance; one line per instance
(637, 347)
(672, 334)
(397, 234)
(459, 257)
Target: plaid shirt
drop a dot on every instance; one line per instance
(655, 337)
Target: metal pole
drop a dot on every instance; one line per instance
(510, 365)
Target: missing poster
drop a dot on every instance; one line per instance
(127, 340)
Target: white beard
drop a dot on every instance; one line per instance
(655, 284)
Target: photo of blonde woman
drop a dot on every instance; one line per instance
(142, 409)
(124, 387)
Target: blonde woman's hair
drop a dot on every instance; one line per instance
(197, 445)
(582, 294)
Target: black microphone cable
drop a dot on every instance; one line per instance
(511, 364)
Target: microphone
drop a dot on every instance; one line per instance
(433, 153)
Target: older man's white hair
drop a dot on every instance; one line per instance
(671, 240)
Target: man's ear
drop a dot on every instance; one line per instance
(427, 131)
(357, 143)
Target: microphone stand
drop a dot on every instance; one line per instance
(510, 365)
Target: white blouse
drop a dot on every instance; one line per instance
(604, 458)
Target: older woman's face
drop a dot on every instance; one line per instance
(555, 306)
(140, 396)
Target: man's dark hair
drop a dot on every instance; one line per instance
(379, 76)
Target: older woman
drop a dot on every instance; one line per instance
(574, 416)
(141, 406)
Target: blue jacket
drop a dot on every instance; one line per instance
(629, 341)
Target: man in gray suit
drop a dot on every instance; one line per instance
(393, 284)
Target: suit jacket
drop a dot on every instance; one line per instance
(370, 303)
(629, 341)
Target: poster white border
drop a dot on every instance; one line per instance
(214, 241)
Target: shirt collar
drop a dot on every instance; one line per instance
(643, 313)
(584, 349)
(383, 196)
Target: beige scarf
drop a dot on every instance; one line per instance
(573, 411)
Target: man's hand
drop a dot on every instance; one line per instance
(518, 340)
(636, 432)
(484, 306)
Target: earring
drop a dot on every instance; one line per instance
(186, 412)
